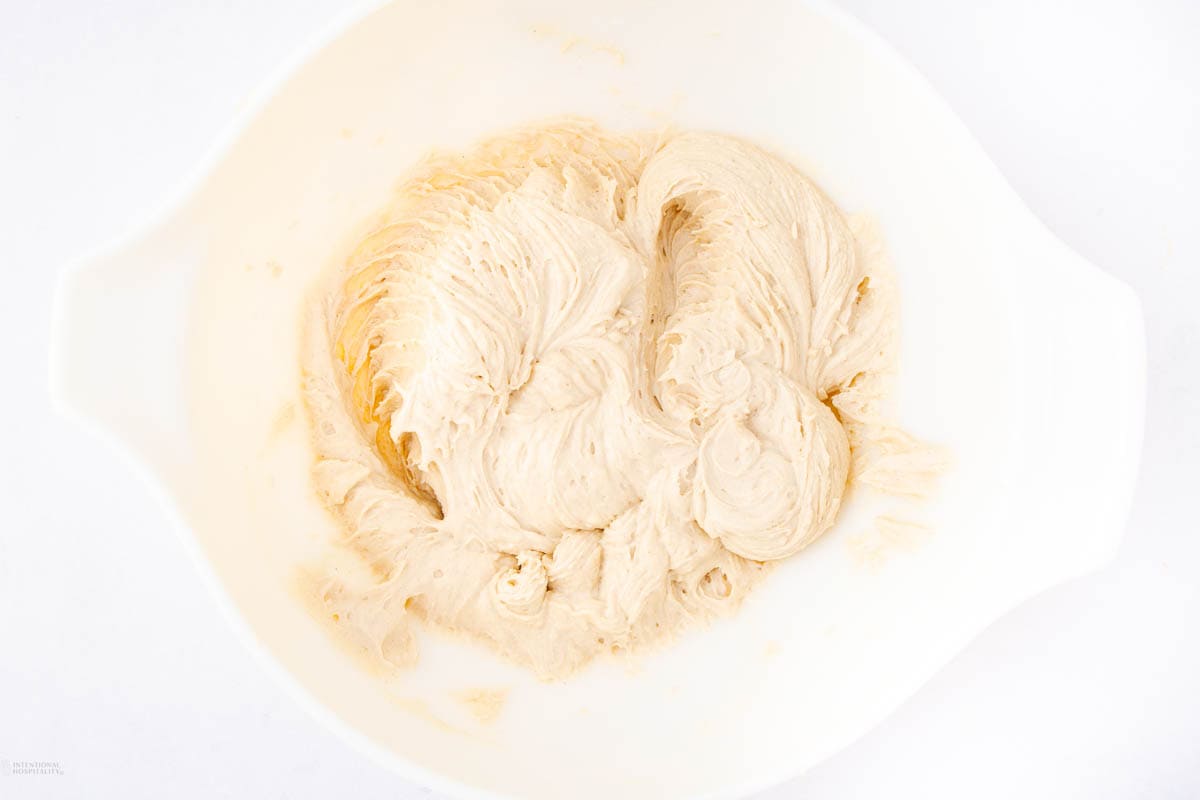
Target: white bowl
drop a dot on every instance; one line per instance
(181, 342)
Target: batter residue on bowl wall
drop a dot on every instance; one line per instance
(579, 389)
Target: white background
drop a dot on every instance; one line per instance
(113, 660)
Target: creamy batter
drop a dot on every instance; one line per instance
(580, 388)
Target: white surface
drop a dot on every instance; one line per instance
(1088, 691)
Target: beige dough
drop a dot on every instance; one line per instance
(579, 389)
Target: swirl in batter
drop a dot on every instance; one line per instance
(580, 388)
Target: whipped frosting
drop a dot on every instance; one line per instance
(579, 389)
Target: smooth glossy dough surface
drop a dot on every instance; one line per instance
(578, 389)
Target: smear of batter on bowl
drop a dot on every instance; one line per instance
(484, 704)
(579, 389)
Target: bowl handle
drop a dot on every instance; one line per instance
(1081, 337)
(118, 343)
